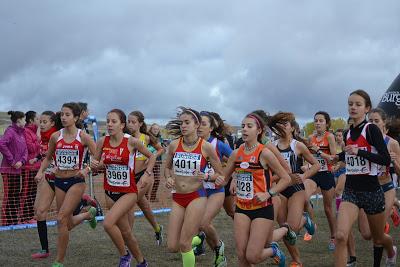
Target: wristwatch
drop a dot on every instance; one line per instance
(148, 173)
(272, 193)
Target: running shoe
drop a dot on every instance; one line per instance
(89, 201)
(387, 228)
(278, 257)
(125, 261)
(309, 225)
(42, 254)
(307, 237)
(351, 264)
(159, 236)
(332, 244)
(57, 264)
(220, 259)
(395, 217)
(391, 262)
(143, 264)
(93, 220)
(200, 249)
(295, 264)
(291, 235)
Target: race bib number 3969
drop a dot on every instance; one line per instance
(118, 175)
(244, 185)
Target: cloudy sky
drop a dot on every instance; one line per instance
(226, 56)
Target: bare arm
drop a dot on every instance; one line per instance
(268, 159)
(395, 155)
(49, 156)
(306, 154)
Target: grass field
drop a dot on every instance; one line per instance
(93, 247)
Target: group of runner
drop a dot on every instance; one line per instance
(264, 187)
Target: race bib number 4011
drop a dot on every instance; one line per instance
(67, 159)
(186, 163)
(118, 175)
(244, 185)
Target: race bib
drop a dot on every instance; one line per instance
(244, 185)
(118, 175)
(323, 163)
(50, 170)
(67, 159)
(209, 169)
(186, 163)
(357, 165)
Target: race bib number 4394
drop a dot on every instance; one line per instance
(186, 163)
(244, 185)
(118, 175)
(67, 159)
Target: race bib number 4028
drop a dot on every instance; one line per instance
(67, 159)
(244, 185)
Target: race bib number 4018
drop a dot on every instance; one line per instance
(357, 165)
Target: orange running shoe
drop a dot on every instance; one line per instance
(307, 237)
(387, 228)
(395, 217)
(295, 264)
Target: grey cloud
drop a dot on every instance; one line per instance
(227, 56)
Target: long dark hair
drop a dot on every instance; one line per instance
(122, 117)
(365, 95)
(174, 126)
(140, 117)
(262, 119)
(327, 118)
(76, 111)
(30, 116)
(216, 123)
(54, 117)
(16, 115)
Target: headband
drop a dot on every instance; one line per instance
(256, 119)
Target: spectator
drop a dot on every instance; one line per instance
(229, 135)
(15, 155)
(155, 132)
(31, 167)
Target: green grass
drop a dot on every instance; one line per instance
(89, 247)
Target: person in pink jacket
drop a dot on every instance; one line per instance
(32, 166)
(15, 155)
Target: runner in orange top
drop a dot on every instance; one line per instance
(184, 170)
(323, 146)
(254, 215)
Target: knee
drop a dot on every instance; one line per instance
(341, 237)
(40, 214)
(184, 245)
(172, 247)
(62, 220)
(366, 236)
(253, 257)
(107, 225)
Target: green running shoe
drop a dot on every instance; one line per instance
(93, 220)
(220, 259)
